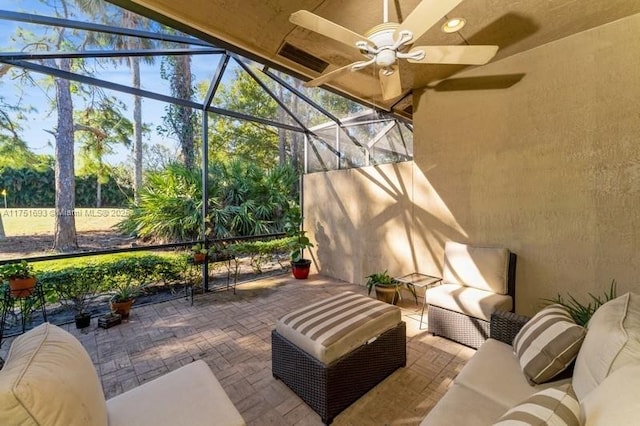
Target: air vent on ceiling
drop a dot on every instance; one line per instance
(303, 58)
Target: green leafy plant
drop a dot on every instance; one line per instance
(76, 287)
(20, 269)
(199, 248)
(382, 279)
(125, 290)
(580, 312)
(293, 228)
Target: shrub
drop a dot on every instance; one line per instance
(259, 252)
(67, 283)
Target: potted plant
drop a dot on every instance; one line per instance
(387, 287)
(21, 279)
(299, 241)
(123, 296)
(76, 287)
(199, 253)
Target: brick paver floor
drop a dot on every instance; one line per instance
(232, 333)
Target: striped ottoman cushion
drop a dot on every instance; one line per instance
(335, 326)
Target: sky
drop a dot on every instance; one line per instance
(36, 130)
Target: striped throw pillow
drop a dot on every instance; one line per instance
(552, 406)
(548, 343)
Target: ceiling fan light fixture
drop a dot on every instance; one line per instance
(453, 25)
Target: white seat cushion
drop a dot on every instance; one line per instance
(495, 372)
(612, 341)
(468, 300)
(335, 326)
(465, 407)
(190, 395)
(49, 379)
(484, 268)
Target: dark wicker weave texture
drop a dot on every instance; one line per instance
(464, 329)
(505, 325)
(459, 327)
(330, 389)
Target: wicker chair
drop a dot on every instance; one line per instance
(476, 282)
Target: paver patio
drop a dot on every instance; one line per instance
(232, 333)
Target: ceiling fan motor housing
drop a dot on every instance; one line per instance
(382, 37)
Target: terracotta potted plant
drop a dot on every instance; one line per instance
(123, 297)
(387, 288)
(21, 279)
(299, 241)
(199, 253)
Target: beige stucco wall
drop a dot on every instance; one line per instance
(549, 168)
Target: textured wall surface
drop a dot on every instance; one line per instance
(549, 167)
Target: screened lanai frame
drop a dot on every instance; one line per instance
(325, 147)
(314, 144)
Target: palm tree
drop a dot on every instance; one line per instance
(101, 127)
(100, 10)
(180, 119)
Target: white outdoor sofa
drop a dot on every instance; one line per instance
(49, 379)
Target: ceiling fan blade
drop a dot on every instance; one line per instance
(327, 76)
(317, 24)
(426, 14)
(390, 84)
(466, 55)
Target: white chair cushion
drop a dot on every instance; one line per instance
(484, 268)
(615, 401)
(49, 379)
(548, 343)
(335, 326)
(468, 300)
(612, 341)
(190, 395)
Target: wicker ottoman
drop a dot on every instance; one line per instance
(332, 352)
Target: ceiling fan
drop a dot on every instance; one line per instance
(386, 43)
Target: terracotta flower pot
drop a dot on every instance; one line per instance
(199, 257)
(122, 308)
(22, 287)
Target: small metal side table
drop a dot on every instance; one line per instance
(419, 280)
(26, 304)
(189, 287)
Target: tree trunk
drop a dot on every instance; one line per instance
(137, 132)
(182, 85)
(2, 234)
(98, 193)
(65, 239)
(282, 133)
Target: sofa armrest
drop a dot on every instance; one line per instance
(505, 325)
